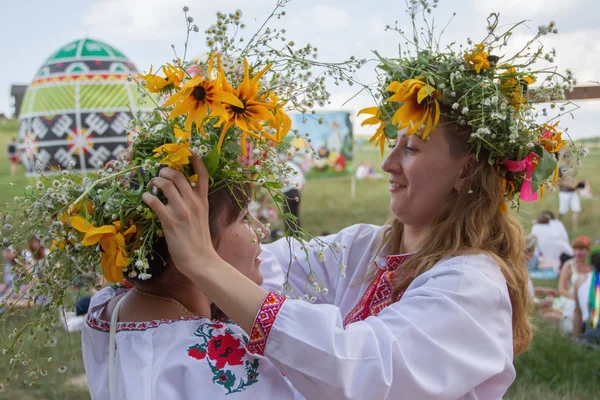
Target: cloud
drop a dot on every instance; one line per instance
(328, 17)
(526, 9)
(155, 20)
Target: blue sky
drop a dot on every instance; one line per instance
(145, 29)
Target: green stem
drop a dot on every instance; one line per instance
(101, 180)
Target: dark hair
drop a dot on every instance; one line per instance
(543, 219)
(229, 201)
(549, 213)
(595, 260)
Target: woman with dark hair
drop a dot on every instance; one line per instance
(171, 339)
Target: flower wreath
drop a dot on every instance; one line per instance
(481, 89)
(231, 109)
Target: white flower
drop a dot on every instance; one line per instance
(455, 106)
(482, 131)
(321, 256)
(325, 290)
(144, 276)
(313, 299)
(62, 369)
(262, 181)
(465, 110)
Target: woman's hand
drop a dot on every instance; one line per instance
(184, 221)
(184, 218)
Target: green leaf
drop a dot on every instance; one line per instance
(273, 185)
(234, 148)
(106, 194)
(290, 216)
(545, 167)
(211, 160)
(391, 131)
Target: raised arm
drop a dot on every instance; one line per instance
(404, 351)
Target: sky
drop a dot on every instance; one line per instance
(144, 30)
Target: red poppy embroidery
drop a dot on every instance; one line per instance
(196, 352)
(225, 349)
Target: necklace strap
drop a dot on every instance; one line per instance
(169, 299)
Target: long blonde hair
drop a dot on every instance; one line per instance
(473, 221)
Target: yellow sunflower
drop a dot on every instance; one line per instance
(551, 138)
(156, 83)
(113, 241)
(175, 155)
(512, 86)
(478, 58)
(200, 97)
(419, 106)
(281, 123)
(249, 115)
(379, 136)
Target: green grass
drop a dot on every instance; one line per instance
(552, 369)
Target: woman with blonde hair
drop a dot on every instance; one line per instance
(433, 305)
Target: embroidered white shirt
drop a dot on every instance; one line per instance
(449, 337)
(193, 358)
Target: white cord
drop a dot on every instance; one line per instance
(112, 348)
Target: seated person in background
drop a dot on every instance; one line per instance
(586, 326)
(573, 270)
(14, 297)
(9, 257)
(534, 262)
(551, 242)
(362, 171)
(556, 224)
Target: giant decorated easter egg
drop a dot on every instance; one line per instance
(78, 108)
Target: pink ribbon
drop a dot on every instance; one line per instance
(518, 166)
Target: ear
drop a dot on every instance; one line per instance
(468, 165)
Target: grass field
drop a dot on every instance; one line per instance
(553, 368)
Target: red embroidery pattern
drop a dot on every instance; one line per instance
(379, 292)
(104, 326)
(264, 322)
(226, 356)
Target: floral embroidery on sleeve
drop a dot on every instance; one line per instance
(226, 355)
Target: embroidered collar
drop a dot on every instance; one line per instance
(394, 261)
